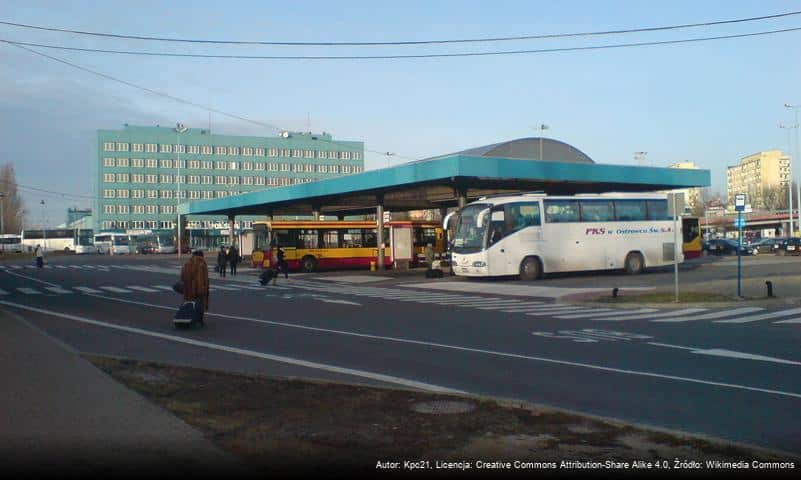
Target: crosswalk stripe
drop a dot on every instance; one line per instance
(594, 311)
(710, 316)
(90, 267)
(163, 287)
(552, 308)
(792, 320)
(221, 287)
(75, 266)
(29, 291)
(764, 316)
(608, 314)
(253, 287)
(57, 290)
(551, 312)
(60, 266)
(141, 289)
(87, 290)
(17, 267)
(115, 289)
(677, 313)
(3, 292)
(497, 307)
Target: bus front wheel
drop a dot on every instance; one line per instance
(634, 263)
(530, 269)
(308, 264)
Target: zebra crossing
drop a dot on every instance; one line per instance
(537, 308)
(56, 289)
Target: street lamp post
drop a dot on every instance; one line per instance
(388, 154)
(542, 127)
(2, 226)
(44, 227)
(179, 129)
(795, 126)
(789, 178)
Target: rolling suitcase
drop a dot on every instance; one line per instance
(189, 314)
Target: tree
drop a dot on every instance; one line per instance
(775, 197)
(13, 211)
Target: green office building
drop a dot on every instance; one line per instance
(145, 172)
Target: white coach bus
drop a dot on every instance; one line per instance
(532, 234)
(116, 243)
(10, 243)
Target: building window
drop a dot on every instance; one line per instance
(233, 150)
(220, 165)
(109, 193)
(152, 163)
(193, 149)
(109, 162)
(219, 180)
(247, 166)
(207, 180)
(233, 180)
(272, 152)
(151, 209)
(137, 162)
(333, 168)
(345, 168)
(137, 147)
(208, 194)
(166, 163)
(284, 167)
(179, 148)
(165, 148)
(206, 165)
(344, 155)
(137, 193)
(179, 163)
(332, 155)
(122, 193)
(284, 152)
(122, 147)
(232, 165)
(297, 153)
(247, 180)
(273, 167)
(220, 194)
(122, 209)
(259, 180)
(258, 151)
(206, 149)
(108, 178)
(122, 178)
(308, 154)
(309, 168)
(194, 194)
(150, 148)
(108, 209)
(166, 178)
(108, 146)
(151, 178)
(258, 166)
(220, 150)
(137, 178)
(247, 151)
(322, 168)
(357, 156)
(180, 179)
(194, 164)
(165, 193)
(165, 209)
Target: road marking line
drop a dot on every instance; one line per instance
(722, 352)
(60, 266)
(610, 314)
(34, 279)
(115, 289)
(244, 352)
(254, 287)
(3, 292)
(58, 290)
(594, 311)
(344, 302)
(75, 266)
(710, 316)
(794, 320)
(221, 287)
(87, 290)
(557, 312)
(765, 316)
(675, 313)
(163, 287)
(141, 289)
(29, 291)
(405, 341)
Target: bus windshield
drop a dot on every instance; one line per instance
(120, 239)
(471, 228)
(85, 238)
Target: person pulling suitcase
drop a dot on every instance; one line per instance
(195, 289)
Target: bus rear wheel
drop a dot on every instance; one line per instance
(634, 263)
(308, 264)
(530, 269)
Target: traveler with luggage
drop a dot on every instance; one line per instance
(195, 289)
(281, 265)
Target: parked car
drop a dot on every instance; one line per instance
(723, 246)
(765, 245)
(790, 246)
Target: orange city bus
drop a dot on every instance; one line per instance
(691, 234)
(329, 245)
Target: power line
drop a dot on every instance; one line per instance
(171, 97)
(407, 42)
(50, 192)
(398, 57)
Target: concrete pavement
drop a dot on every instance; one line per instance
(59, 415)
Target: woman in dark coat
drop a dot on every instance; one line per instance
(222, 259)
(233, 258)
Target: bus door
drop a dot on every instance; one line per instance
(499, 255)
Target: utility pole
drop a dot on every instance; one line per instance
(789, 177)
(2, 226)
(795, 126)
(388, 154)
(542, 127)
(179, 129)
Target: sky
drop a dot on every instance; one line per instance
(707, 102)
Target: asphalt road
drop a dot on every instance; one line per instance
(727, 372)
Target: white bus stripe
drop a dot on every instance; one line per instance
(765, 316)
(710, 316)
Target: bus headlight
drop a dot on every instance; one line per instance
(479, 264)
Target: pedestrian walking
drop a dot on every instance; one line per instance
(281, 264)
(37, 252)
(222, 259)
(195, 279)
(233, 258)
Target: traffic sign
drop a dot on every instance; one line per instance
(739, 223)
(739, 202)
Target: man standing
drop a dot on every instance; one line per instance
(280, 264)
(39, 256)
(233, 258)
(195, 278)
(222, 259)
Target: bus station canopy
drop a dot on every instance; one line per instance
(434, 183)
